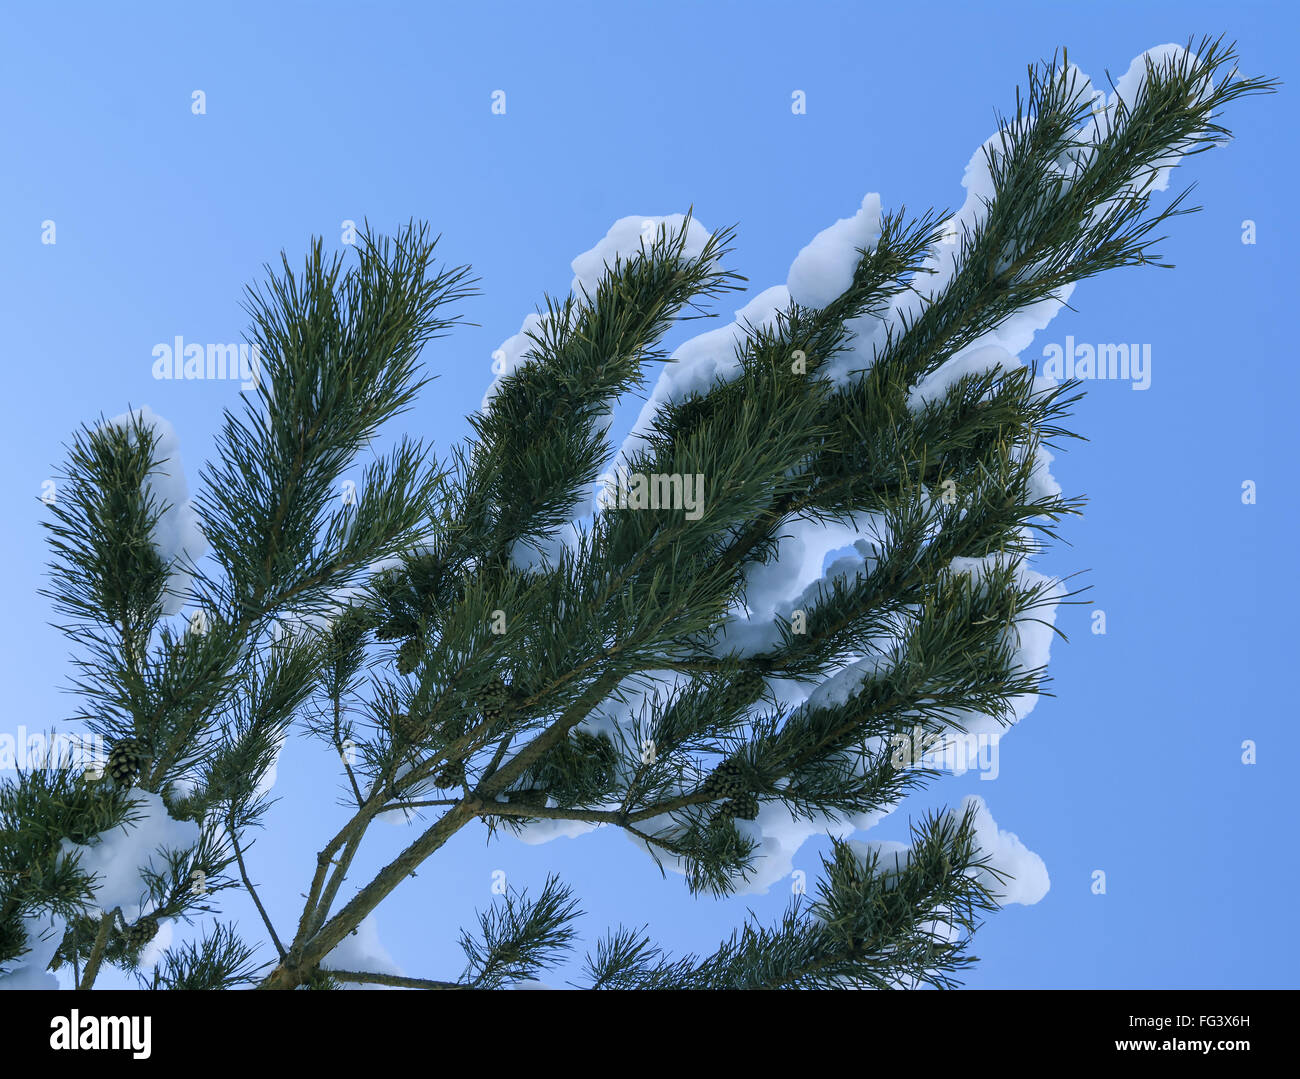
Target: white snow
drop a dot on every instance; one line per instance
(1027, 881)
(116, 857)
(1031, 635)
(711, 352)
(625, 238)
(706, 357)
(1128, 89)
(362, 950)
(44, 933)
(824, 268)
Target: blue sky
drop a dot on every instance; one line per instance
(322, 112)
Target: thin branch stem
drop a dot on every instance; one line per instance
(398, 980)
(96, 957)
(257, 901)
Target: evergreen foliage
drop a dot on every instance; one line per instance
(431, 711)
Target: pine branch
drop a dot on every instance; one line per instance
(520, 937)
(219, 961)
(520, 721)
(396, 980)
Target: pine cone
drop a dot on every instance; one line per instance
(349, 628)
(140, 934)
(580, 768)
(451, 774)
(492, 700)
(726, 781)
(741, 692)
(405, 729)
(742, 807)
(408, 656)
(126, 760)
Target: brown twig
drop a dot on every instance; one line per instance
(96, 957)
(398, 980)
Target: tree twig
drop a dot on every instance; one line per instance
(397, 980)
(97, 951)
(243, 873)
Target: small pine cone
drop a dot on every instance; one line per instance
(742, 807)
(140, 934)
(599, 746)
(405, 729)
(492, 700)
(408, 657)
(740, 693)
(451, 774)
(726, 781)
(126, 759)
(349, 628)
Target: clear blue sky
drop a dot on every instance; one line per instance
(322, 112)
